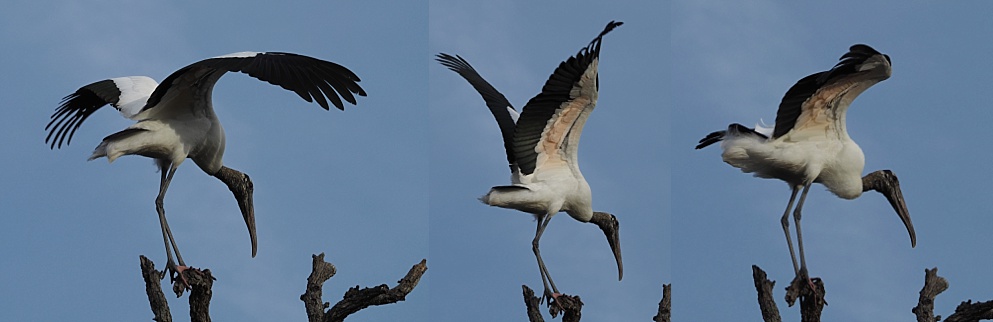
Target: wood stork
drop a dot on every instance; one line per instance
(175, 120)
(541, 145)
(810, 142)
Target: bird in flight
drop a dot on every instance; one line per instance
(542, 143)
(810, 143)
(175, 120)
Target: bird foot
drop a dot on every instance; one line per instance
(552, 299)
(177, 270)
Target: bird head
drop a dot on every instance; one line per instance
(243, 189)
(611, 228)
(886, 183)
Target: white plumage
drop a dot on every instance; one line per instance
(542, 144)
(810, 143)
(175, 120)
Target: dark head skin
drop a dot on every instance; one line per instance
(241, 186)
(611, 228)
(886, 183)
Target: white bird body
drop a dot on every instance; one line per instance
(175, 120)
(810, 142)
(542, 146)
(836, 162)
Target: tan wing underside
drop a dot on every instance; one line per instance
(820, 111)
(560, 140)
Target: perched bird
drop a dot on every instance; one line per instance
(810, 142)
(175, 120)
(541, 145)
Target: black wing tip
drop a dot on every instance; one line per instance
(733, 129)
(711, 138)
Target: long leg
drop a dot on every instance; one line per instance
(796, 218)
(168, 171)
(542, 223)
(786, 228)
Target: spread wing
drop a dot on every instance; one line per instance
(814, 100)
(126, 94)
(551, 123)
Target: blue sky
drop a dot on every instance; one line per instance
(395, 179)
(516, 45)
(735, 62)
(350, 184)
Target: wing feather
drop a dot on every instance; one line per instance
(555, 117)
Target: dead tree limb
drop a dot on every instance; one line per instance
(355, 299)
(570, 306)
(533, 304)
(968, 311)
(933, 285)
(770, 312)
(200, 283)
(153, 288)
(809, 291)
(665, 305)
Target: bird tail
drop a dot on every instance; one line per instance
(111, 147)
(734, 129)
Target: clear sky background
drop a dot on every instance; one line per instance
(733, 63)
(484, 253)
(395, 179)
(350, 184)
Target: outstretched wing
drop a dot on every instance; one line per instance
(126, 94)
(813, 99)
(311, 78)
(505, 114)
(550, 125)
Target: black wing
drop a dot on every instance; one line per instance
(76, 107)
(792, 103)
(555, 92)
(311, 78)
(498, 104)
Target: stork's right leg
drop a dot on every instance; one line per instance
(546, 279)
(786, 229)
(167, 174)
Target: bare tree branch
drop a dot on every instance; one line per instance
(968, 311)
(770, 312)
(809, 291)
(321, 272)
(570, 306)
(933, 285)
(153, 288)
(533, 304)
(665, 305)
(201, 283)
(355, 299)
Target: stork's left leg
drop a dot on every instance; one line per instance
(168, 171)
(785, 220)
(796, 219)
(546, 278)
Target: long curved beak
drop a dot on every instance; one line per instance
(886, 183)
(247, 206)
(243, 189)
(611, 228)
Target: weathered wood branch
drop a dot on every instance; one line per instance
(933, 285)
(153, 288)
(355, 299)
(533, 304)
(665, 305)
(200, 283)
(770, 312)
(570, 306)
(809, 291)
